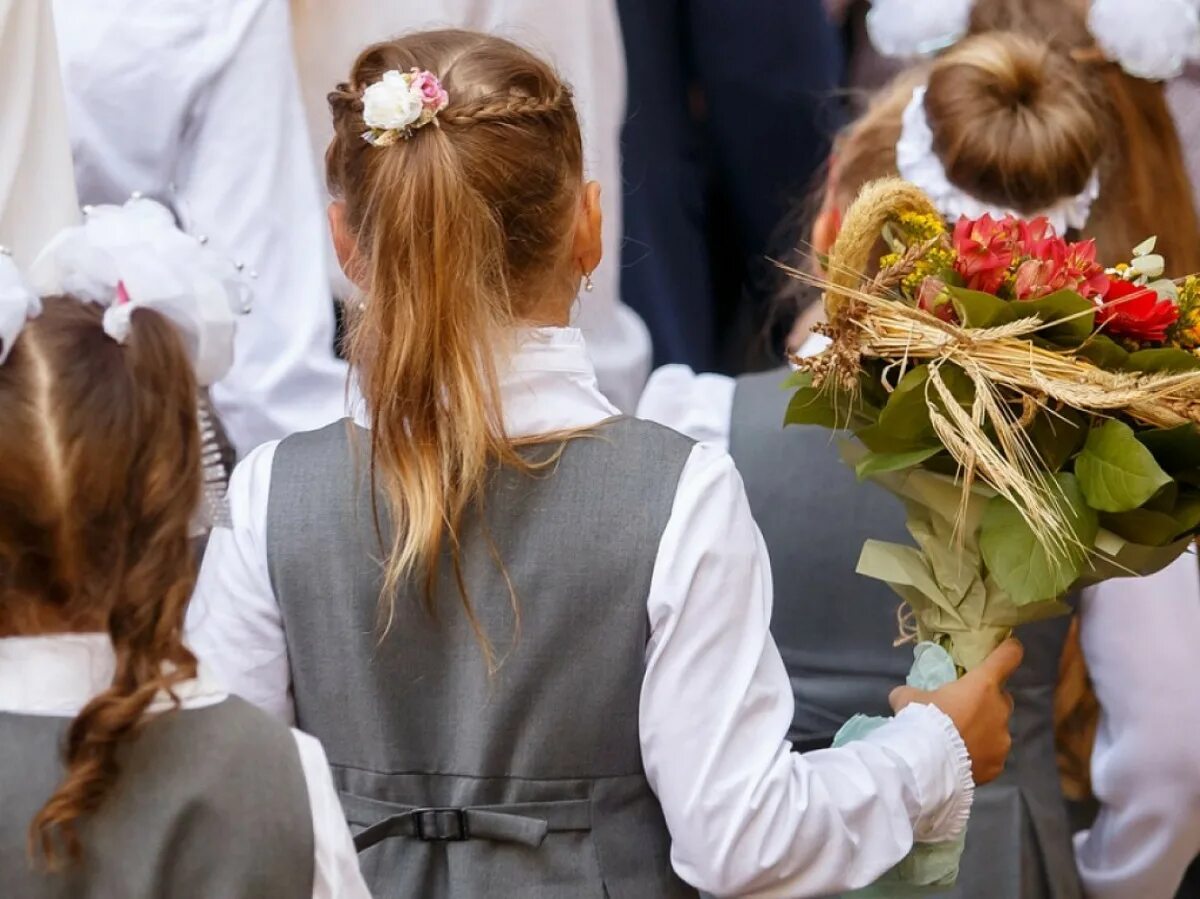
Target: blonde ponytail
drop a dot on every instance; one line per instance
(460, 226)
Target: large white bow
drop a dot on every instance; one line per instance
(18, 304)
(134, 257)
(1151, 39)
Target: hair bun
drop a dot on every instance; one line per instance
(1015, 122)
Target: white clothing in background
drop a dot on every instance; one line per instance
(583, 41)
(1140, 640)
(747, 815)
(37, 186)
(195, 103)
(57, 675)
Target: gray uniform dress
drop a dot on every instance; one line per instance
(528, 782)
(835, 631)
(211, 804)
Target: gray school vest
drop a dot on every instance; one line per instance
(835, 631)
(211, 803)
(528, 783)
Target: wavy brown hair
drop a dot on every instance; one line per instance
(1022, 111)
(461, 230)
(99, 479)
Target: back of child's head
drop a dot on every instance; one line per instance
(1021, 119)
(99, 479)
(462, 229)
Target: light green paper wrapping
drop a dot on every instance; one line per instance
(928, 865)
(943, 578)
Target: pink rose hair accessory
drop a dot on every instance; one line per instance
(400, 103)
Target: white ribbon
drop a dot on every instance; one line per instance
(18, 304)
(1150, 39)
(919, 164)
(134, 257)
(908, 28)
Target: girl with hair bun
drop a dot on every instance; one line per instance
(999, 122)
(127, 770)
(531, 633)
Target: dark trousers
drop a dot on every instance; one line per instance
(731, 106)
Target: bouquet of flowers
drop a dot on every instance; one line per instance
(1037, 413)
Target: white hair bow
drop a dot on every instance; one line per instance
(18, 303)
(134, 257)
(1151, 39)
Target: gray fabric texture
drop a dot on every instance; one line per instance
(836, 629)
(544, 754)
(211, 803)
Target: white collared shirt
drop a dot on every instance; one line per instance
(1139, 638)
(57, 675)
(196, 103)
(747, 815)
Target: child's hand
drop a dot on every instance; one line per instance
(979, 708)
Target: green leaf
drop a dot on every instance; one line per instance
(1116, 472)
(1074, 316)
(1143, 526)
(797, 379)
(1057, 436)
(1157, 526)
(1175, 449)
(981, 310)
(1104, 352)
(810, 406)
(1022, 564)
(878, 463)
(1164, 359)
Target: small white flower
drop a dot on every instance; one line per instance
(391, 104)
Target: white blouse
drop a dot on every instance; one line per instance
(57, 675)
(747, 815)
(1141, 641)
(196, 103)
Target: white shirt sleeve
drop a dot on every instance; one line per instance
(336, 874)
(696, 405)
(233, 622)
(1139, 638)
(247, 182)
(747, 815)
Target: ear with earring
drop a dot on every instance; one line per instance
(588, 284)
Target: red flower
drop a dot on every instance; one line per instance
(986, 249)
(932, 298)
(1136, 312)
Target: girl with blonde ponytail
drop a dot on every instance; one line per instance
(531, 633)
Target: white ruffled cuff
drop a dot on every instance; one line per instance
(929, 743)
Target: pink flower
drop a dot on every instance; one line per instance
(985, 248)
(122, 294)
(1052, 264)
(433, 95)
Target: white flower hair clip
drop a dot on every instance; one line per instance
(918, 163)
(400, 103)
(1149, 39)
(134, 257)
(18, 303)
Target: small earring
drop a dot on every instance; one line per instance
(588, 284)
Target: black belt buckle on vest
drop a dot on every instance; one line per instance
(441, 825)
